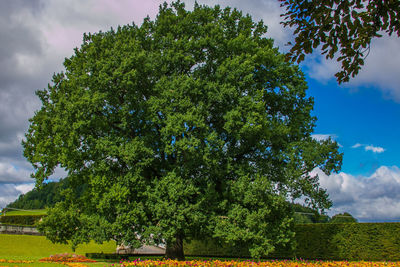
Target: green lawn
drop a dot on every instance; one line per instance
(30, 212)
(27, 247)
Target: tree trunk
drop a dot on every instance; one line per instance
(174, 249)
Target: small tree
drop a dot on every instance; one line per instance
(343, 218)
(190, 125)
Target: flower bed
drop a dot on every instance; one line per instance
(74, 264)
(66, 258)
(14, 261)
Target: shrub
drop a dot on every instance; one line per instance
(21, 219)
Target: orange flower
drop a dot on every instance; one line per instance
(64, 258)
(15, 261)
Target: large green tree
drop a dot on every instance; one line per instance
(188, 126)
(344, 27)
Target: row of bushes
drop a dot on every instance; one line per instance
(349, 241)
(26, 220)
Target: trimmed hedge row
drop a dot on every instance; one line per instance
(211, 248)
(26, 220)
(348, 241)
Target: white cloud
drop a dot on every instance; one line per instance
(319, 68)
(12, 174)
(380, 69)
(63, 22)
(375, 149)
(368, 198)
(10, 192)
(24, 188)
(357, 145)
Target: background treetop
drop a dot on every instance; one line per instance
(342, 29)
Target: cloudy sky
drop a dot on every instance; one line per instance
(362, 115)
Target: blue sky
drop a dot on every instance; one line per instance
(362, 116)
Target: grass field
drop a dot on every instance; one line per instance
(21, 212)
(33, 248)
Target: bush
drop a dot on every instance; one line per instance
(26, 220)
(212, 248)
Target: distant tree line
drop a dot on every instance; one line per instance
(304, 215)
(39, 198)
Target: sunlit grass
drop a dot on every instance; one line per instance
(26, 247)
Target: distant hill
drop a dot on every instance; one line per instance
(40, 198)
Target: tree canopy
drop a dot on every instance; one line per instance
(187, 126)
(337, 26)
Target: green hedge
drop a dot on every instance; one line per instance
(350, 241)
(347, 241)
(21, 219)
(212, 248)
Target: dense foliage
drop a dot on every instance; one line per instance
(190, 125)
(337, 26)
